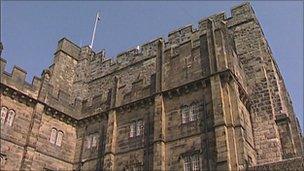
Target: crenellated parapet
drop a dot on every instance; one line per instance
(125, 59)
(17, 80)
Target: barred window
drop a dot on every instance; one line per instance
(136, 128)
(132, 129)
(191, 163)
(140, 127)
(185, 113)
(195, 162)
(3, 114)
(194, 110)
(187, 163)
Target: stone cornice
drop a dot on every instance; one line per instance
(17, 95)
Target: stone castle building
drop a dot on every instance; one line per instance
(206, 98)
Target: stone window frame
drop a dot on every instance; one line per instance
(3, 159)
(191, 161)
(9, 116)
(90, 139)
(59, 138)
(55, 138)
(139, 127)
(4, 111)
(12, 114)
(132, 129)
(184, 111)
(188, 114)
(134, 125)
(194, 111)
(138, 166)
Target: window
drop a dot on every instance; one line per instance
(59, 138)
(136, 128)
(10, 117)
(94, 141)
(139, 129)
(91, 141)
(190, 114)
(192, 163)
(194, 112)
(56, 137)
(185, 113)
(187, 164)
(134, 167)
(53, 135)
(7, 116)
(195, 163)
(3, 114)
(132, 129)
(3, 159)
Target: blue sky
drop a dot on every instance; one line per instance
(30, 30)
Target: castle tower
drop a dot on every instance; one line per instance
(206, 98)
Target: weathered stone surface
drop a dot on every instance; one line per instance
(242, 115)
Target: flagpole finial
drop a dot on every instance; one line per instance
(94, 30)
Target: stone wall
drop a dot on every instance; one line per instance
(294, 164)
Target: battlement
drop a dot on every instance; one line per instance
(239, 14)
(17, 80)
(104, 66)
(124, 59)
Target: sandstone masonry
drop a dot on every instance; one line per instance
(206, 98)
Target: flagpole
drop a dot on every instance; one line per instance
(95, 25)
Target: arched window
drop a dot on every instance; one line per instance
(53, 135)
(59, 138)
(10, 117)
(194, 111)
(3, 114)
(185, 113)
